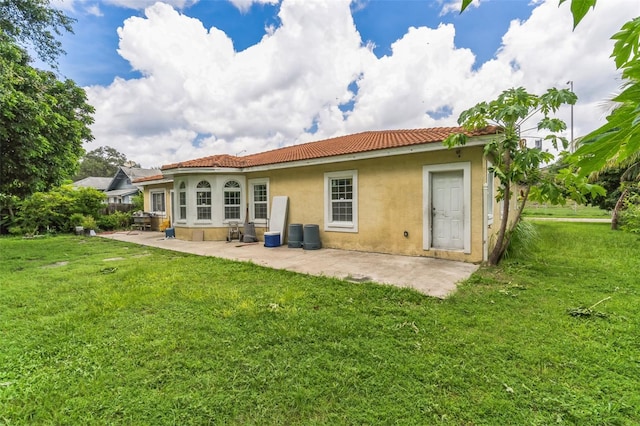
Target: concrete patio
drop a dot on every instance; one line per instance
(434, 277)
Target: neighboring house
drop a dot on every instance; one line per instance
(99, 183)
(119, 189)
(397, 191)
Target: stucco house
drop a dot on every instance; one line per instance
(392, 191)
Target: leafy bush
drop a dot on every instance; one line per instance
(54, 210)
(630, 217)
(116, 220)
(89, 223)
(138, 201)
(76, 219)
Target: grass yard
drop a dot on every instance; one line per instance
(571, 210)
(95, 331)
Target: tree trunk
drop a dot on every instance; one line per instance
(516, 220)
(525, 197)
(498, 249)
(616, 210)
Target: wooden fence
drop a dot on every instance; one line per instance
(117, 207)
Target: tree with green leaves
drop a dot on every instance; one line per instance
(103, 161)
(43, 121)
(620, 179)
(517, 166)
(618, 141)
(616, 144)
(43, 125)
(33, 23)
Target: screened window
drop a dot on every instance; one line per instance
(260, 200)
(182, 201)
(341, 205)
(342, 200)
(232, 200)
(157, 201)
(203, 200)
(490, 193)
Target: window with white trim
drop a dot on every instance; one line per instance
(203, 200)
(259, 200)
(182, 201)
(341, 201)
(490, 192)
(232, 200)
(157, 202)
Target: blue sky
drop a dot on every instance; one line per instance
(184, 79)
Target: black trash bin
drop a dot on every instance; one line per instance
(311, 237)
(295, 235)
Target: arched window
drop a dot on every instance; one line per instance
(182, 201)
(203, 200)
(232, 200)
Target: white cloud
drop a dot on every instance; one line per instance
(424, 73)
(94, 9)
(143, 4)
(454, 6)
(245, 5)
(92, 6)
(200, 97)
(259, 98)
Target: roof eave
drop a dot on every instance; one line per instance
(380, 153)
(152, 182)
(199, 170)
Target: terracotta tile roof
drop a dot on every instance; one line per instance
(342, 145)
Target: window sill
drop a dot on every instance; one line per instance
(338, 227)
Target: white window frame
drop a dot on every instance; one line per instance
(253, 202)
(341, 226)
(491, 193)
(210, 205)
(237, 189)
(182, 189)
(152, 194)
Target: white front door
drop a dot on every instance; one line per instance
(447, 210)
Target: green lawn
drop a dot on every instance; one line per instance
(94, 331)
(571, 210)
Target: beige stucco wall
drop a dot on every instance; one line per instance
(390, 202)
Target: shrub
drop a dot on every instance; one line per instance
(630, 217)
(76, 219)
(89, 223)
(53, 211)
(138, 201)
(116, 220)
(524, 239)
(15, 230)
